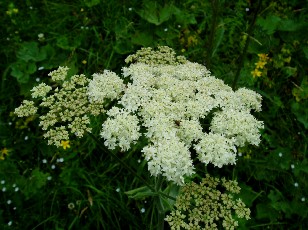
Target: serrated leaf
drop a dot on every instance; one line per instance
(269, 24)
(30, 51)
(153, 13)
(22, 70)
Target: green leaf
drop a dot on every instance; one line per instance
(22, 70)
(140, 193)
(142, 38)
(34, 183)
(291, 25)
(301, 167)
(300, 110)
(30, 51)
(155, 14)
(91, 3)
(219, 34)
(183, 18)
(269, 24)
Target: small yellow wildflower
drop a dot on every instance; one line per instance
(4, 152)
(260, 64)
(263, 57)
(84, 62)
(65, 144)
(256, 73)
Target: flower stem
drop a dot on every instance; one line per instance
(243, 55)
(153, 189)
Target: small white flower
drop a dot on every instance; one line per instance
(40, 35)
(71, 206)
(292, 166)
(139, 160)
(280, 154)
(41, 68)
(10, 123)
(26, 138)
(295, 184)
(303, 199)
(9, 223)
(82, 27)
(53, 166)
(130, 8)
(3, 182)
(49, 178)
(44, 161)
(179, 26)
(14, 185)
(87, 27)
(9, 202)
(14, 208)
(240, 154)
(3, 189)
(60, 160)
(142, 210)
(31, 7)
(118, 190)
(247, 9)
(166, 29)
(8, 39)
(16, 189)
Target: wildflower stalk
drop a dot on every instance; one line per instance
(215, 6)
(243, 55)
(153, 189)
(161, 213)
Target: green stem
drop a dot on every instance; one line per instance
(243, 55)
(153, 189)
(160, 208)
(209, 50)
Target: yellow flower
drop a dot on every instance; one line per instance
(65, 144)
(256, 73)
(84, 62)
(260, 64)
(3, 152)
(263, 57)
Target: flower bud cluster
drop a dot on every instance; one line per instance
(204, 206)
(65, 109)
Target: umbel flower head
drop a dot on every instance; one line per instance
(65, 109)
(171, 98)
(174, 103)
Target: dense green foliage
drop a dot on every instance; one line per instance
(81, 187)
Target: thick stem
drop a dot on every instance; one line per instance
(153, 189)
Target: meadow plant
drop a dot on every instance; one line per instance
(175, 104)
(204, 206)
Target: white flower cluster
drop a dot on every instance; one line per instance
(174, 100)
(120, 129)
(103, 86)
(40, 91)
(59, 74)
(27, 108)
